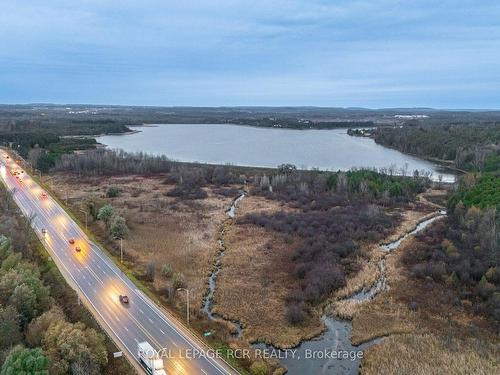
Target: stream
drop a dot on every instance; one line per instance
(315, 356)
(212, 280)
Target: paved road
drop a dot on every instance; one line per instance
(101, 282)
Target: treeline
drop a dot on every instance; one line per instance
(479, 190)
(468, 145)
(332, 215)
(462, 253)
(103, 162)
(35, 335)
(49, 137)
(386, 185)
(365, 185)
(42, 328)
(294, 123)
(61, 127)
(43, 149)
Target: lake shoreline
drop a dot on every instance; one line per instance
(249, 146)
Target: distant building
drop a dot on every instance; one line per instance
(410, 117)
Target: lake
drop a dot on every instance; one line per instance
(331, 149)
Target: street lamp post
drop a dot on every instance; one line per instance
(85, 212)
(187, 294)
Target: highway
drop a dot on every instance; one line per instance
(99, 282)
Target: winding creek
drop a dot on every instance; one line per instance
(336, 337)
(212, 280)
(323, 149)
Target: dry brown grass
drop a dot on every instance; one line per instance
(410, 219)
(381, 318)
(434, 198)
(365, 278)
(428, 332)
(254, 282)
(429, 354)
(162, 229)
(370, 271)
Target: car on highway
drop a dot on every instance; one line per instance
(124, 298)
(43, 196)
(78, 249)
(44, 231)
(71, 241)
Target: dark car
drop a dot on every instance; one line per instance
(71, 241)
(78, 249)
(123, 298)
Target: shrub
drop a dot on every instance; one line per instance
(25, 361)
(295, 313)
(113, 192)
(106, 213)
(187, 191)
(118, 227)
(166, 270)
(259, 368)
(150, 272)
(178, 280)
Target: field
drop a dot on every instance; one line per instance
(255, 281)
(163, 230)
(257, 276)
(184, 234)
(266, 245)
(429, 331)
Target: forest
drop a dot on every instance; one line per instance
(462, 252)
(43, 330)
(470, 146)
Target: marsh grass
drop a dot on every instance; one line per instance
(429, 354)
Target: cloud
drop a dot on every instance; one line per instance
(203, 52)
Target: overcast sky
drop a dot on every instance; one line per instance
(374, 53)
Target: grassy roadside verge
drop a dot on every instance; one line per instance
(78, 312)
(220, 346)
(62, 294)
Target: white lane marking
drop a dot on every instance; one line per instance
(142, 312)
(203, 371)
(150, 320)
(126, 329)
(192, 341)
(162, 331)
